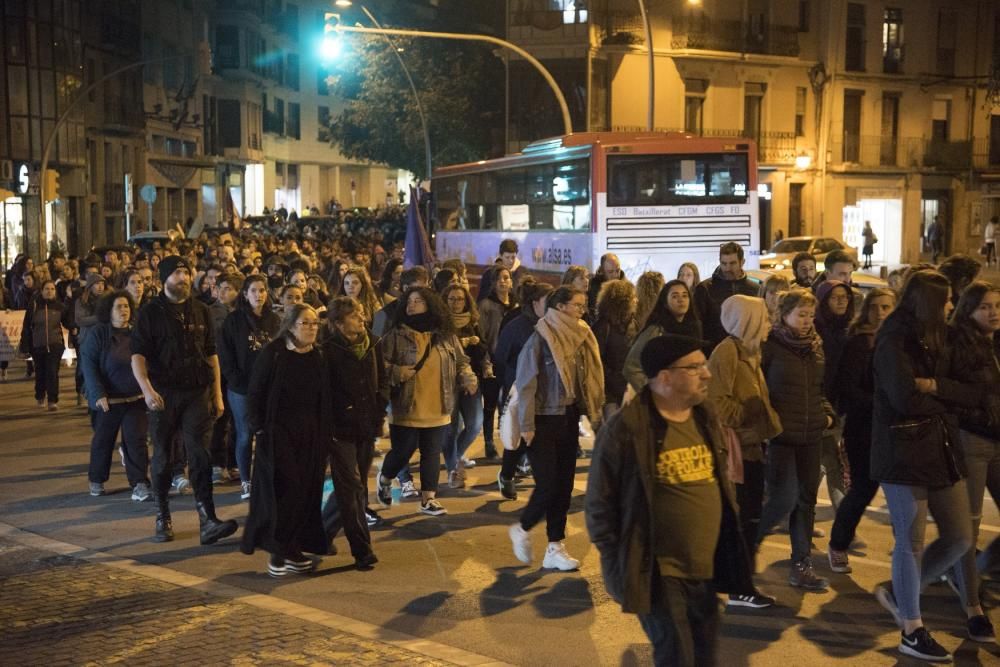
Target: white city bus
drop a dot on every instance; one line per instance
(656, 200)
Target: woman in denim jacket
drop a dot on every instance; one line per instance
(426, 365)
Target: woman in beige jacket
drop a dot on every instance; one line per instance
(739, 392)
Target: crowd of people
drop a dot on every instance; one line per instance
(718, 406)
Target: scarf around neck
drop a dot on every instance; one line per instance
(565, 335)
(422, 322)
(461, 320)
(800, 344)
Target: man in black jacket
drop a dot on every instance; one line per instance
(728, 279)
(359, 383)
(175, 363)
(662, 511)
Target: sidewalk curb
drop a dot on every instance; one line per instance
(337, 622)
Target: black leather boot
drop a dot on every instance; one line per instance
(212, 529)
(164, 526)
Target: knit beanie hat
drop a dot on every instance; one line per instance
(170, 264)
(746, 318)
(663, 351)
(93, 279)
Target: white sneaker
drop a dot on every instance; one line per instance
(521, 541)
(409, 491)
(556, 558)
(244, 490)
(469, 463)
(141, 492)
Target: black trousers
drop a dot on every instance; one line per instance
(349, 466)
(186, 412)
(750, 497)
(553, 463)
(408, 439)
(862, 490)
(132, 420)
(511, 457)
(491, 398)
(223, 447)
(683, 624)
(47, 372)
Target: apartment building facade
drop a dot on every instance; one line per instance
(218, 106)
(866, 110)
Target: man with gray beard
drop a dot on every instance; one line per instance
(175, 363)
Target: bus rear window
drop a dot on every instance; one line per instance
(644, 180)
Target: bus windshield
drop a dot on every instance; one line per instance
(671, 179)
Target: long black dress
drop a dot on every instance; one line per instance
(289, 410)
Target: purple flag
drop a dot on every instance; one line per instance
(417, 247)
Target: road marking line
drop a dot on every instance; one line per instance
(331, 620)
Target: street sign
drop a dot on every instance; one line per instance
(148, 193)
(129, 203)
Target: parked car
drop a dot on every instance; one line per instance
(863, 281)
(781, 255)
(144, 240)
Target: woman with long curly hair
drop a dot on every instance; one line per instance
(647, 289)
(615, 329)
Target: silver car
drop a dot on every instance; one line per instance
(781, 255)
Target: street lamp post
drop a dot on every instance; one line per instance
(47, 149)
(461, 36)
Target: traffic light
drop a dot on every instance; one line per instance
(51, 185)
(329, 47)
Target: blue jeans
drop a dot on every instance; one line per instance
(241, 419)
(911, 570)
(982, 457)
(470, 409)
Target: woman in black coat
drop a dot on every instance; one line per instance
(244, 333)
(854, 385)
(615, 330)
(289, 408)
(42, 337)
(673, 313)
(973, 350)
(916, 455)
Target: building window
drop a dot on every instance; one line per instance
(694, 104)
(227, 47)
(800, 112)
(323, 124)
(947, 26)
(854, 53)
(892, 41)
(294, 120)
(889, 138)
(230, 132)
(852, 126)
(753, 105)
(941, 120)
(322, 87)
(996, 41)
(803, 15)
(292, 73)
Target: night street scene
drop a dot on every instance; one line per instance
(499, 332)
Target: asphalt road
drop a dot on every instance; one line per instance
(453, 580)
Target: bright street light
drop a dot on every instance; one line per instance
(330, 48)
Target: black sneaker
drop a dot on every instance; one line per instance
(920, 644)
(432, 507)
(755, 601)
(299, 563)
(384, 491)
(802, 575)
(507, 488)
(981, 630)
(372, 516)
(366, 563)
(276, 566)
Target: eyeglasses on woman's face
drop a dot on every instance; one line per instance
(307, 323)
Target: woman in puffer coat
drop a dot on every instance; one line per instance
(42, 338)
(793, 367)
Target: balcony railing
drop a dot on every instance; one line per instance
(986, 154)
(772, 147)
(697, 32)
(901, 152)
(948, 154)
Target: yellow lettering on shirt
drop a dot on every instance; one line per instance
(685, 465)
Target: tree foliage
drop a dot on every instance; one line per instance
(460, 87)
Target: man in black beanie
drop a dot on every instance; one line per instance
(175, 363)
(662, 511)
